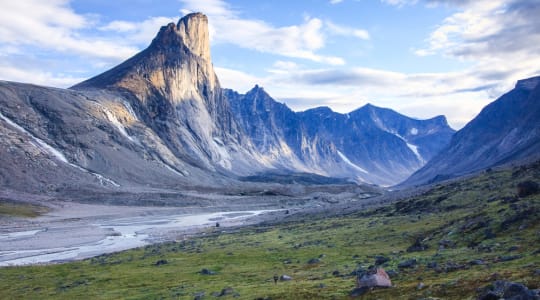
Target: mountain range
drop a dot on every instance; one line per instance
(161, 120)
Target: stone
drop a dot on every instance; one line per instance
(417, 246)
(207, 272)
(410, 263)
(357, 292)
(161, 262)
(477, 262)
(420, 286)
(501, 289)
(285, 278)
(375, 277)
(226, 291)
(379, 260)
(313, 261)
(199, 295)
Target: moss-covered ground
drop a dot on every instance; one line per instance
(462, 236)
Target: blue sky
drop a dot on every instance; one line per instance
(421, 58)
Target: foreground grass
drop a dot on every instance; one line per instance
(10, 209)
(475, 231)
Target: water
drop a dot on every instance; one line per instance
(79, 242)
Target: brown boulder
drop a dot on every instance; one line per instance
(373, 278)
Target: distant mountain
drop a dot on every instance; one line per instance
(507, 130)
(370, 144)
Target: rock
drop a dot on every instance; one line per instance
(537, 272)
(161, 262)
(285, 278)
(322, 286)
(527, 188)
(226, 291)
(287, 262)
(488, 234)
(501, 289)
(207, 272)
(375, 277)
(420, 286)
(509, 257)
(432, 265)
(410, 263)
(199, 295)
(336, 273)
(417, 246)
(392, 273)
(477, 262)
(379, 260)
(313, 261)
(357, 292)
(443, 244)
(513, 248)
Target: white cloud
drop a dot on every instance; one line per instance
(347, 31)
(36, 76)
(139, 32)
(335, 1)
(297, 41)
(53, 25)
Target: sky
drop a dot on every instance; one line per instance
(422, 58)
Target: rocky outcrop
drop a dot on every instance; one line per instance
(173, 87)
(376, 277)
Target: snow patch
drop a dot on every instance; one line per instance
(414, 131)
(414, 149)
(347, 161)
(130, 110)
(41, 144)
(112, 118)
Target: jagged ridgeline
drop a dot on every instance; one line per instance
(161, 120)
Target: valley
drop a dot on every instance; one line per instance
(472, 231)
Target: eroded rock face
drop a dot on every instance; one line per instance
(173, 87)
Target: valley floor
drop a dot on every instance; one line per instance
(448, 242)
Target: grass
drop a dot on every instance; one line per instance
(476, 219)
(12, 209)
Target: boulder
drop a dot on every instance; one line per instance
(410, 263)
(501, 289)
(375, 277)
(285, 278)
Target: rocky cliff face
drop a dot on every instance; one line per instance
(370, 144)
(506, 130)
(173, 87)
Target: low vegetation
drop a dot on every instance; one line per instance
(446, 243)
(12, 209)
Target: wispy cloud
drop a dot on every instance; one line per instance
(53, 25)
(342, 30)
(296, 41)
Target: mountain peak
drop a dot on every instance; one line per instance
(190, 31)
(193, 28)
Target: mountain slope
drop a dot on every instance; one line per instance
(370, 144)
(506, 130)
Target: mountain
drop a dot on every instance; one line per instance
(160, 123)
(173, 87)
(507, 130)
(370, 144)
